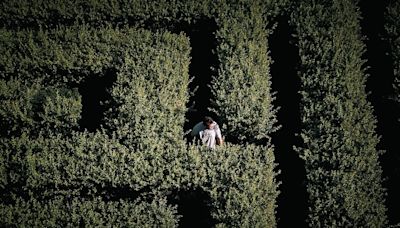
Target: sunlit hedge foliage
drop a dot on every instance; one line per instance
(151, 92)
(344, 178)
(242, 88)
(63, 211)
(240, 180)
(34, 108)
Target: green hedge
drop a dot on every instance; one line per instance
(242, 88)
(151, 91)
(240, 180)
(60, 160)
(76, 212)
(344, 178)
(89, 160)
(69, 54)
(23, 13)
(37, 108)
(50, 14)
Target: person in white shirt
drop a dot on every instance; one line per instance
(209, 132)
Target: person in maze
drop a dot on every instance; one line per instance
(208, 131)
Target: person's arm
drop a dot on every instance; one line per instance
(218, 135)
(220, 141)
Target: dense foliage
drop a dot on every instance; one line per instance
(54, 173)
(338, 128)
(125, 172)
(242, 91)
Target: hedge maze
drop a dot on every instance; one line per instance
(60, 167)
(96, 97)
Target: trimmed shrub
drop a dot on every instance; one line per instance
(241, 181)
(75, 212)
(242, 89)
(37, 108)
(65, 55)
(88, 161)
(344, 178)
(80, 163)
(49, 14)
(143, 111)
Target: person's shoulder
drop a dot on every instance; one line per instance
(215, 124)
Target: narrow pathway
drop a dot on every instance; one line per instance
(292, 201)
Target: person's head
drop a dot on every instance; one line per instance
(207, 121)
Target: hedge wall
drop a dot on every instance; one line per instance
(37, 108)
(164, 13)
(50, 14)
(240, 180)
(64, 211)
(344, 178)
(242, 88)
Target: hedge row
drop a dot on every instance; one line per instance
(151, 67)
(243, 100)
(69, 54)
(33, 108)
(63, 211)
(150, 94)
(240, 180)
(242, 88)
(344, 178)
(50, 14)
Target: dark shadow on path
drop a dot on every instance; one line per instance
(194, 208)
(203, 59)
(94, 91)
(292, 200)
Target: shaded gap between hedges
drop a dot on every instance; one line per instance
(292, 200)
(194, 205)
(379, 84)
(203, 60)
(94, 92)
